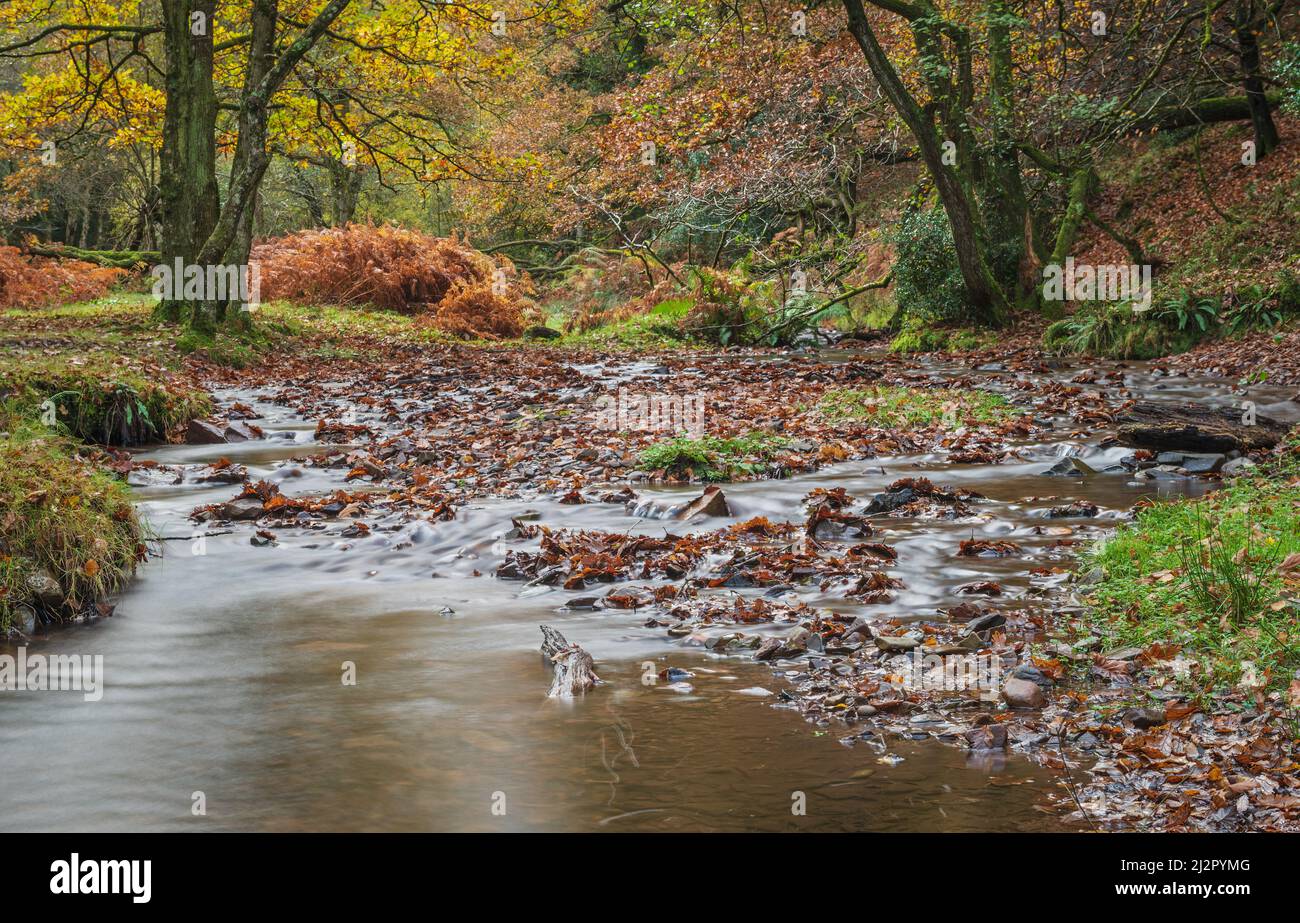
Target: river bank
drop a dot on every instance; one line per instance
(418, 508)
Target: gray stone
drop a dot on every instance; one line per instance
(1068, 468)
(1238, 466)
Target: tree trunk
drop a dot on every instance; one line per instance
(188, 194)
(1243, 26)
(345, 188)
(987, 300)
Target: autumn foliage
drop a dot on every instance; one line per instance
(33, 281)
(400, 270)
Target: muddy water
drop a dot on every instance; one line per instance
(223, 674)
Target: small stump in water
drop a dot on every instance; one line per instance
(574, 669)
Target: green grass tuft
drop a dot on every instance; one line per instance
(891, 406)
(713, 458)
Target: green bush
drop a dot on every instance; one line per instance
(927, 279)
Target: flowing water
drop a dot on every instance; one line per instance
(222, 672)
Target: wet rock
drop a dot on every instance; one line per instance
(237, 431)
(1081, 509)
(542, 332)
(201, 432)
(44, 589)
(1238, 466)
(228, 474)
(1203, 464)
(243, 508)
(860, 628)
(583, 603)
(1032, 674)
(987, 737)
(985, 622)
(898, 643)
(891, 500)
(713, 502)
(1144, 717)
(1068, 468)
(1021, 693)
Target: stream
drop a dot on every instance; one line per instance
(222, 670)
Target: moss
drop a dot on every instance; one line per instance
(63, 520)
(889, 406)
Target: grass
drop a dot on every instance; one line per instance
(1205, 574)
(657, 329)
(62, 519)
(713, 458)
(892, 406)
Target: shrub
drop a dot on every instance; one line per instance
(400, 270)
(32, 281)
(721, 311)
(1115, 331)
(927, 279)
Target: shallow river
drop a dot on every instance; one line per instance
(223, 674)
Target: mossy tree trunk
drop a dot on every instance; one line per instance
(188, 196)
(952, 180)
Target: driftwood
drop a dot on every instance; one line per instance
(1193, 428)
(574, 669)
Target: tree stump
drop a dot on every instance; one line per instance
(1194, 428)
(574, 669)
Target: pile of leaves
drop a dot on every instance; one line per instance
(464, 291)
(32, 281)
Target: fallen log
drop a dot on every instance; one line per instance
(574, 669)
(1194, 428)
